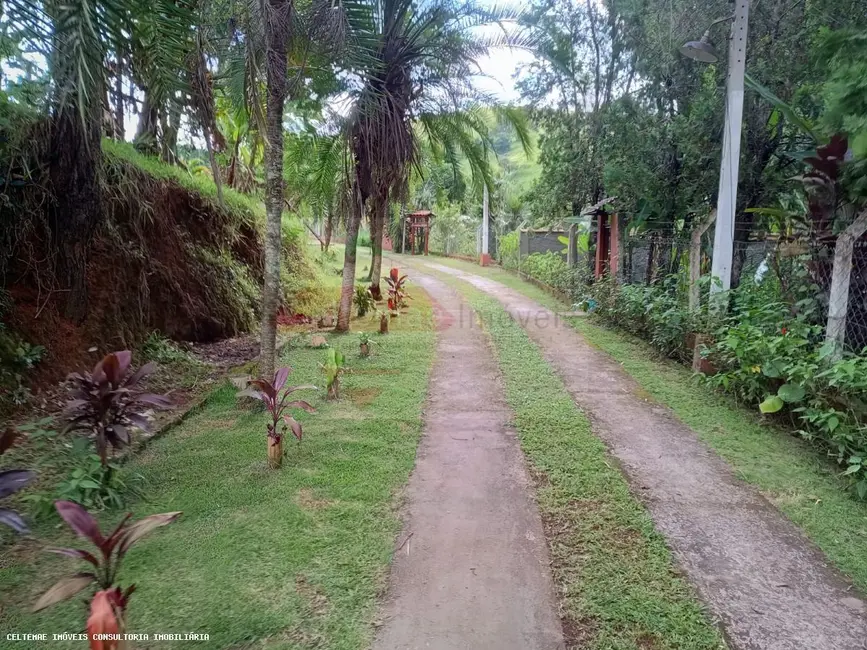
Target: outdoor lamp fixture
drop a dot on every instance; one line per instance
(702, 50)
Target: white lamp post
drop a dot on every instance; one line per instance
(702, 50)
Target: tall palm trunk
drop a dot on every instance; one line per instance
(347, 288)
(277, 29)
(148, 120)
(77, 208)
(73, 169)
(379, 214)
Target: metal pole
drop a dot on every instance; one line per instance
(723, 243)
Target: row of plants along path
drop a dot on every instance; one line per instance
(105, 406)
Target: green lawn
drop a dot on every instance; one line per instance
(618, 586)
(803, 484)
(292, 558)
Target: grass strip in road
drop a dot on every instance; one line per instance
(289, 558)
(616, 580)
(805, 486)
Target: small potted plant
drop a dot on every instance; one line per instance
(396, 292)
(364, 344)
(363, 300)
(276, 397)
(333, 367)
(383, 321)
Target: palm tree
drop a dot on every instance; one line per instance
(85, 44)
(417, 59)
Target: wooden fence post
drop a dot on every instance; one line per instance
(695, 261)
(572, 250)
(838, 300)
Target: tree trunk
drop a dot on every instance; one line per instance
(170, 133)
(277, 26)
(118, 100)
(146, 133)
(329, 229)
(215, 168)
(344, 310)
(77, 208)
(377, 229)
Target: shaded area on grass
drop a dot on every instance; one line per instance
(286, 558)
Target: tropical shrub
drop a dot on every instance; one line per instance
(11, 481)
(275, 396)
(364, 342)
(777, 361)
(333, 368)
(551, 269)
(92, 483)
(108, 401)
(17, 357)
(108, 606)
(397, 294)
(508, 250)
(658, 313)
(363, 300)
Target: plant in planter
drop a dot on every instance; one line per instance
(363, 300)
(107, 401)
(333, 367)
(364, 343)
(383, 321)
(276, 400)
(108, 605)
(12, 480)
(396, 291)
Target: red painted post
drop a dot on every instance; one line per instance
(601, 248)
(614, 246)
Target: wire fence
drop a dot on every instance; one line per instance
(799, 274)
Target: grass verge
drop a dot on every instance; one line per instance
(292, 558)
(800, 482)
(616, 580)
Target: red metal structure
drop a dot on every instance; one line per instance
(418, 223)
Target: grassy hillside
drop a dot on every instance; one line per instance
(165, 256)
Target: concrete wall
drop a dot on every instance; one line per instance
(542, 242)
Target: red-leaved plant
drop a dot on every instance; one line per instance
(108, 605)
(397, 294)
(107, 401)
(275, 395)
(12, 480)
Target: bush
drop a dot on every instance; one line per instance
(17, 358)
(775, 359)
(509, 251)
(658, 312)
(767, 353)
(550, 269)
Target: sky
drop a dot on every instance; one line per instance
(498, 69)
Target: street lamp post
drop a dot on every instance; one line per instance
(723, 243)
